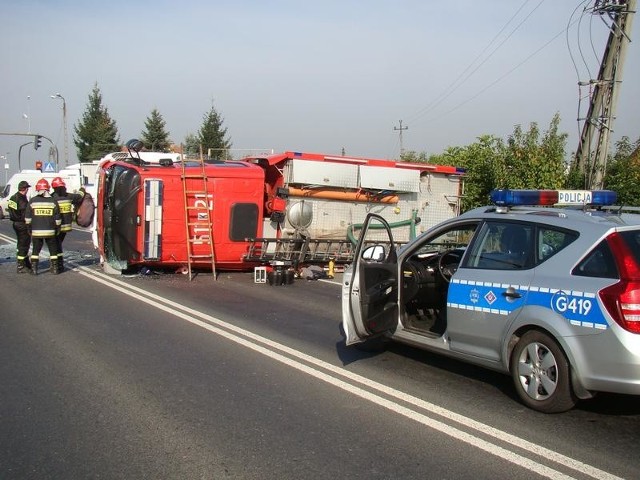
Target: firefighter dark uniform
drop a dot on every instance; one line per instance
(43, 218)
(17, 207)
(67, 202)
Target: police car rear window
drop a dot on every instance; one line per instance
(599, 263)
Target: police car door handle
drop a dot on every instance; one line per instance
(511, 293)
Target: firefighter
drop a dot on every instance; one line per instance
(43, 219)
(17, 208)
(67, 203)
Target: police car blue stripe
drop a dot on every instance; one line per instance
(579, 308)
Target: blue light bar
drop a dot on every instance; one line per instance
(509, 198)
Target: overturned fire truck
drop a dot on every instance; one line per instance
(166, 211)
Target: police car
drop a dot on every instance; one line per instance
(548, 295)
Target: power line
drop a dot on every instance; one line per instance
(457, 83)
(502, 77)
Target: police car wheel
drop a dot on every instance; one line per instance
(540, 373)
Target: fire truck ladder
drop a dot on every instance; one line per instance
(197, 208)
(299, 250)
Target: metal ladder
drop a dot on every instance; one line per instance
(197, 210)
(299, 250)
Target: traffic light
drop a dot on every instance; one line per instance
(37, 141)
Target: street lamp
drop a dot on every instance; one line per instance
(6, 167)
(27, 116)
(64, 119)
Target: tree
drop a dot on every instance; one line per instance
(534, 163)
(96, 134)
(212, 136)
(155, 137)
(623, 172)
(525, 161)
(484, 165)
(191, 145)
(414, 157)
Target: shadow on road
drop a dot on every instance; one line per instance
(602, 404)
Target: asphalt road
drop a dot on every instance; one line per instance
(153, 376)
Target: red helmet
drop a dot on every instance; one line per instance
(42, 185)
(57, 182)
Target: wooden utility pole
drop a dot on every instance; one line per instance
(593, 149)
(400, 130)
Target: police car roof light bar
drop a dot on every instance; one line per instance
(510, 198)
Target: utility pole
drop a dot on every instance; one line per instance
(400, 134)
(593, 149)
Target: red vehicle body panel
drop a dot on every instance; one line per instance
(141, 213)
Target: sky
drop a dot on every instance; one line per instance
(326, 77)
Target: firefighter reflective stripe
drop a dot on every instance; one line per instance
(152, 219)
(17, 207)
(66, 212)
(43, 233)
(43, 210)
(43, 215)
(66, 203)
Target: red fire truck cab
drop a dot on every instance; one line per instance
(148, 210)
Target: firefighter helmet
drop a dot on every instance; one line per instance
(57, 182)
(42, 185)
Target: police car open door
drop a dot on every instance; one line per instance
(370, 295)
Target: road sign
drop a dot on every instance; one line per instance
(48, 167)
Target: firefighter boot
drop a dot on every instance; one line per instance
(60, 264)
(22, 266)
(34, 267)
(53, 266)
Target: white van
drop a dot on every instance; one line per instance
(72, 177)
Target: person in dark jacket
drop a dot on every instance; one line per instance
(67, 202)
(43, 218)
(17, 208)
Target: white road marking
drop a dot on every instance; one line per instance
(224, 329)
(267, 347)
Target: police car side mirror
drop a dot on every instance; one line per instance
(375, 253)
